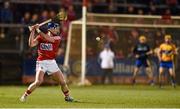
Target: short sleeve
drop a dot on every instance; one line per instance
(161, 46)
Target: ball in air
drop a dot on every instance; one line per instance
(98, 38)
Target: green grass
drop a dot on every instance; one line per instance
(108, 96)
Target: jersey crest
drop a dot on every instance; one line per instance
(46, 46)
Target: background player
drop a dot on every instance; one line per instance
(166, 53)
(141, 52)
(47, 47)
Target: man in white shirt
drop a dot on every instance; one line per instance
(107, 63)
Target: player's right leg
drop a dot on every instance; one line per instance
(33, 86)
(104, 74)
(136, 70)
(161, 70)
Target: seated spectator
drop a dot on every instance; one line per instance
(130, 10)
(66, 3)
(100, 6)
(26, 19)
(171, 2)
(112, 8)
(44, 15)
(89, 6)
(140, 20)
(133, 36)
(64, 31)
(71, 13)
(112, 34)
(52, 14)
(166, 17)
(173, 6)
(6, 13)
(152, 9)
(119, 54)
(34, 19)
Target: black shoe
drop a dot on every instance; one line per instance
(69, 99)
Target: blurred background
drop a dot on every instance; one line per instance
(17, 60)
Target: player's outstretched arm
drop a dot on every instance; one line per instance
(47, 37)
(32, 41)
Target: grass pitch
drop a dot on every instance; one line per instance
(98, 96)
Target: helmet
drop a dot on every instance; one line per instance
(52, 25)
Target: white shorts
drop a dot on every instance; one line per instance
(47, 66)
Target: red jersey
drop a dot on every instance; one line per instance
(47, 50)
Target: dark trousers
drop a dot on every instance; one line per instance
(107, 73)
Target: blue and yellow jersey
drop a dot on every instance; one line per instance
(167, 52)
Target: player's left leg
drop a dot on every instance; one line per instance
(173, 76)
(138, 64)
(149, 72)
(110, 71)
(59, 78)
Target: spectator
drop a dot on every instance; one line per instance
(6, 13)
(133, 36)
(166, 17)
(152, 9)
(66, 3)
(26, 19)
(120, 55)
(60, 56)
(112, 36)
(140, 20)
(64, 30)
(112, 8)
(130, 10)
(64, 33)
(71, 13)
(171, 2)
(34, 19)
(107, 63)
(44, 15)
(52, 14)
(100, 6)
(173, 6)
(89, 7)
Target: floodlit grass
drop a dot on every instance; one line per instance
(97, 96)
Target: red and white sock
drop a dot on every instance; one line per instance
(28, 92)
(66, 93)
